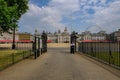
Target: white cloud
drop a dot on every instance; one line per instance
(49, 17)
(41, 18)
(65, 6)
(108, 18)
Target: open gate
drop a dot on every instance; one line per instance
(39, 44)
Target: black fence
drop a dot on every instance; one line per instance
(40, 44)
(8, 56)
(22, 50)
(12, 58)
(107, 52)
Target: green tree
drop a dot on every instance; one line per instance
(11, 11)
(4, 16)
(111, 37)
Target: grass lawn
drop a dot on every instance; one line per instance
(8, 57)
(114, 58)
(8, 52)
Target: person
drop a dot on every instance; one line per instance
(72, 48)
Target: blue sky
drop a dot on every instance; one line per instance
(78, 15)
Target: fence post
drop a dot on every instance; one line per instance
(13, 59)
(82, 48)
(23, 55)
(98, 50)
(44, 42)
(87, 48)
(38, 52)
(35, 54)
(95, 48)
(109, 53)
(119, 53)
(91, 49)
(33, 46)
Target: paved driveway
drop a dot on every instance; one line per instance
(57, 64)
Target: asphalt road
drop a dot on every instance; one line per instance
(57, 64)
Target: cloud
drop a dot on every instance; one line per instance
(57, 14)
(106, 14)
(49, 17)
(108, 18)
(64, 6)
(40, 18)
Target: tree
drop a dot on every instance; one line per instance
(111, 37)
(4, 16)
(20, 5)
(11, 11)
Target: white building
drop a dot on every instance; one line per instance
(60, 37)
(117, 34)
(8, 36)
(87, 35)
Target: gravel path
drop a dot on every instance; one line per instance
(57, 64)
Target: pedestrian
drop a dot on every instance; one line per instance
(72, 48)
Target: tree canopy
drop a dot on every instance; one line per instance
(10, 13)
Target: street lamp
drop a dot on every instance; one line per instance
(13, 44)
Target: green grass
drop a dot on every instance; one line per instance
(8, 52)
(9, 57)
(105, 56)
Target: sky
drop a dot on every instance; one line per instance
(76, 15)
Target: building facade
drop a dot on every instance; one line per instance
(60, 37)
(8, 36)
(117, 34)
(87, 35)
(24, 36)
(18, 36)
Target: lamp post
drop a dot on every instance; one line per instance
(119, 52)
(13, 44)
(110, 49)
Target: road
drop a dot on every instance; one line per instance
(57, 64)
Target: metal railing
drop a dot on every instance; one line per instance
(107, 52)
(12, 58)
(22, 49)
(8, 56)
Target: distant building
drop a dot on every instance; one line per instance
(8, 36)
(24, 36)
(60, 37)
(117, 34)
(18, 36)
(52, 37)
(87, 35)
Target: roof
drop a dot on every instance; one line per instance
(94, 41)
(10, 41)
(49, 41)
